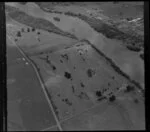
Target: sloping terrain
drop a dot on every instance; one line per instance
(44, 46)
(108, 24)
(36, 23)
(88, 91)
(75, 86)
(78, 30)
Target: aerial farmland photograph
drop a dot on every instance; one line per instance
(75, 66)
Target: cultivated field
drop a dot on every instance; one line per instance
(26, 96)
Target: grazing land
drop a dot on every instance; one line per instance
(73, 71)
(26, 100)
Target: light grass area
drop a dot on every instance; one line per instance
(100, 81)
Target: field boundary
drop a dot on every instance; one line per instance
(42, 85)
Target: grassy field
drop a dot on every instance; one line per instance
(23, 91)
(87, 89)
(12, 53)
(42, 41)
(101, 118)
(78, 92)
(37, 23)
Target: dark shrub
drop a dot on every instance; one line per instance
(102, 98)
(133, 48)
(33, 29)
(65, 56)
(28, 29)
(38, 33)
(67, 75)
(22, 29)
(90, 72)
(142, 56)
(129, 88)
(112, 98)
(136, 101)
(56, 19)
(18, 34)
(82, 85)
(98, 93)
(54, 67)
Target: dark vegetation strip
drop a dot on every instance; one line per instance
(133, 48)
(53, 11)
(109, 31)
(142, 56)
(115, 67)
(38, 23)
(57, 19)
